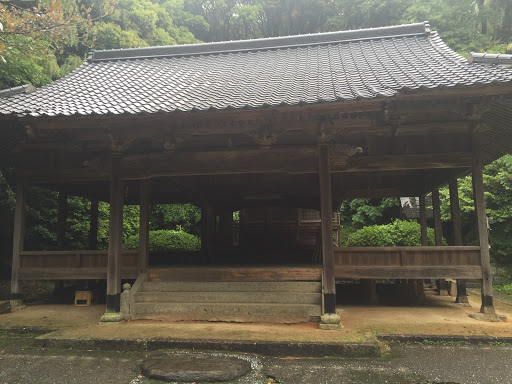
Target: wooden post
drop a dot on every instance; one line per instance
(18, 240)
(144, 200)
(478, 190)
(93, 224)
(329, 284)
(210, 233)
(369, 288)
(438, 230)
(420, 284)
(423, 221)
(462, 297)
(227, 229)
(62, 217)
(204, 232)
(115, 241)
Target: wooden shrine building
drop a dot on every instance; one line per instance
(290, 122)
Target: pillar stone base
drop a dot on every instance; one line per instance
(463, 300)
(487, 309)
(330, 322)
(492, 317)
(111, 317)
(16, 305)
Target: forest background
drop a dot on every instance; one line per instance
(41, 41)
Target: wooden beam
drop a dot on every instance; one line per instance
(292, 160)
(377, 192)
(69, 273)
(144, 226)
(483, 237)
(115, 241)
(329, 283)
(18, 240)
(408, 272)
(407, 162)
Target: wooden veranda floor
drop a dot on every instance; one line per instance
(235, 273)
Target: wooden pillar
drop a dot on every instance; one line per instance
(62, 217)
(423, 221)
(483, 237)
(18, 240)
(227, 229)
(329, 284)
(369, 288)
(93, 224)
(204, 232)
(115, 241)
(438, 230)
(462, 297)
(420, 284)
(210, 232)
(144, 200)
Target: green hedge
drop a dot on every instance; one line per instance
(166, 240)
(399, 233)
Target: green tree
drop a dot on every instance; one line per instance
(357, 213)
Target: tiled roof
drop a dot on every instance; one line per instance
(304, 69)
(490, 58)
(26, 88)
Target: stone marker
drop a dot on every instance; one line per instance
(190, 367)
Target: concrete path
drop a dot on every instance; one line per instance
(20, 362)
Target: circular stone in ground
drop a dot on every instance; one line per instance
(190, 367)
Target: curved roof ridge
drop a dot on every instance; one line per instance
(261, 44)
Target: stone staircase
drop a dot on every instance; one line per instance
(236, 301)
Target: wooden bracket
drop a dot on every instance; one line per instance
(339, 154)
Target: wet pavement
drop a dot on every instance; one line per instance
(22, 362)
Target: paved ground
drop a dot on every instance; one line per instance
(440, 316)
(21, 362)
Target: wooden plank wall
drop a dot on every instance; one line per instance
(293, 226)
(408, 262)
(73, 265)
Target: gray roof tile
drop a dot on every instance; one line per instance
(304, 69)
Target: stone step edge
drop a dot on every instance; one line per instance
(253, 305)
(446, 339)
(263, 348)
(158, 286)
(225, 298)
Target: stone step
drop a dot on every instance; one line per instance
(284, 286)
(229, 297)
(243, 312)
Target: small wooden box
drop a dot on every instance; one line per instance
(84, 298)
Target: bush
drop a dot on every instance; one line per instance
(507, 288)
(166, 240)
(399, 233)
